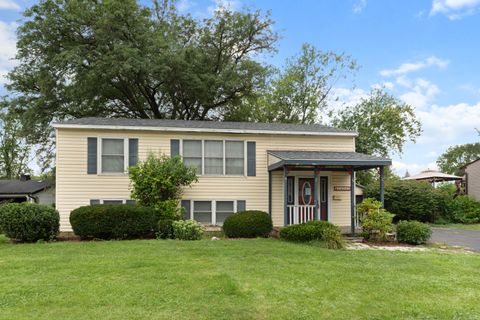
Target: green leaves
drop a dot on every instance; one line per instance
(452, 160)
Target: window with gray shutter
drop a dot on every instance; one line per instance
(174, 147)
(241, 205)
(91, 155)
(251, 159)
(132, 152)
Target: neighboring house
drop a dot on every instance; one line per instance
(26, 190)
(295, 172)
(472, 179)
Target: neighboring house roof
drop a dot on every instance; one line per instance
(202, 126)
(471, 162)
(433, 174)
(293, 157)
(17, 187)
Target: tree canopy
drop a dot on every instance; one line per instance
(452, 160)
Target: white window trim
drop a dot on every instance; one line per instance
(245, 163)
(126, 153)
(214, 209)
(124, 201)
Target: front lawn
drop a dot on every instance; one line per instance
(232, 279)
(461, 226)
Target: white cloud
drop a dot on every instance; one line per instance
(220, 5)
(8, 48)
(184, 5)
(409, 67)
(9, 5)
(359, 6)
(421, 92)
(455, 9)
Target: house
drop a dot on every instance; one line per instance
(27, 190)
(296, 173)
(472, 179)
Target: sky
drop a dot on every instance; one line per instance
(425, 52)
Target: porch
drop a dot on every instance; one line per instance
(318, 185)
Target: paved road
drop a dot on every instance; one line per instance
(456, 237)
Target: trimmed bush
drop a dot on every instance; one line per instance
(248, 224)
(463, 209)
(187, 230)
(105, 221)
(29, 222)
(376, 222)
(165, 229)
(311, 231)
(413, 232)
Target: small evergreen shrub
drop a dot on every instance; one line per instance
(413, 232)
(463, 209)
(165, 229)
(376, 222)
(29, 222)
(309, 231)
(105, 221)
(187, 230)
(248, 224)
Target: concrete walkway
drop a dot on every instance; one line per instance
(455, 237)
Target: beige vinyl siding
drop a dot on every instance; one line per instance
(340, 214)
(75, 187)
(473, 179)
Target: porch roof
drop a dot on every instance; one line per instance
(355, 160)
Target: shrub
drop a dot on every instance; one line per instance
(106, 221)
(187, 230)
(409, 200)
(463, 209)
(29, 222)
(413, 232)
(158, 183)
(304, 232)
(248, 224)
(333, 238)
(165, 229)
(376, 222)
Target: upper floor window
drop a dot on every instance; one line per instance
(113, 155)
(215, 157)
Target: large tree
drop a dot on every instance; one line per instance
(384, 124)
(299, 92)
(452, 160)
(119, 58)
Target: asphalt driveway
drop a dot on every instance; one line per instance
(456, 237)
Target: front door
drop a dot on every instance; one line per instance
(306, 189)
(324, 198)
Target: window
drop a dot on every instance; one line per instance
(223, 210)
(111, 201)
(210, 212)
(202, 211)
(113, 155)
(213, 157)
(234, 157)
(192, 154)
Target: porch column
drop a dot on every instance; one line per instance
(352, 200)
(270, 193)
(285, 195)
(316, 188)
(382, 186)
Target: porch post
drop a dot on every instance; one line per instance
(382, 186)
(285, 195)
(352, 200)
(315, 196)
(270, 192)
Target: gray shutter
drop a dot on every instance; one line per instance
(251, 159)
(92, 156)
(132, 152)
(186, 209)
(174, 147)
(94, 201)
(241, 205)
(131, 202)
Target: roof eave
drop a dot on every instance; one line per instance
(213, 130)
(352, 163)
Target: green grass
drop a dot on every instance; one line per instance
(458, 226)
(232, 279)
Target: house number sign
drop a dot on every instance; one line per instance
(341, 188)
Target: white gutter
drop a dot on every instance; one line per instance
(185, 129)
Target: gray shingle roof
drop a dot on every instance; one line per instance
(15, 187)
(297, 157)
(192, 124)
